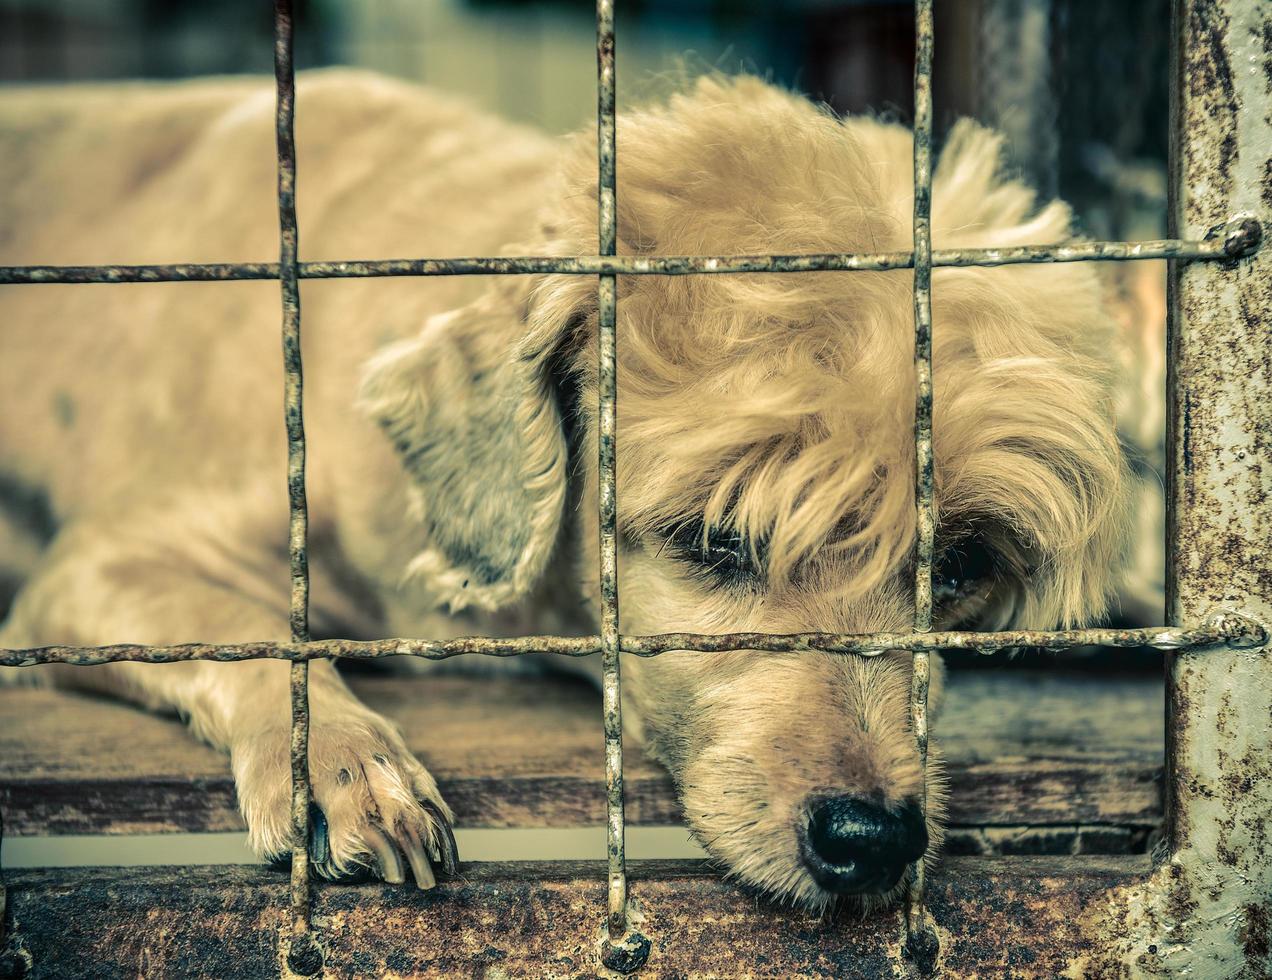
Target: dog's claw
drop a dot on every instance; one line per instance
(415, 854)
(386, 854)
(319, 843)
(445, 840)
(319, 839)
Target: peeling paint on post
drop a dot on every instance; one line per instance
(1219, 752)
(1205, 911)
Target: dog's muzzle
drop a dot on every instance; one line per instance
(855, 846)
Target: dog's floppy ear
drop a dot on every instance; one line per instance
(471, 407)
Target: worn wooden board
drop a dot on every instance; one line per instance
(1022, 748)
(1028, 917)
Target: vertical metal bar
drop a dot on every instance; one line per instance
(1219, 492)
(923, 319)
(624, 950)
(607, 230)
(920, 938)
(303, 956)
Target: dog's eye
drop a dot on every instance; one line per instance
(961, 569)
(722, 551)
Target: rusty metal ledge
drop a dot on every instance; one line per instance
(1021, 917)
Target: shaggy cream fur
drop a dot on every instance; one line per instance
(765, 462)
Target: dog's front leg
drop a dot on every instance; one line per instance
(377, 806)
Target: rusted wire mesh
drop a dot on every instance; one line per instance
(625, 949)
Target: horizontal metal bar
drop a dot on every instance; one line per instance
(1220, 628)
(1225, 246)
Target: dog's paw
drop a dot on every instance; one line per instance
(375, 811)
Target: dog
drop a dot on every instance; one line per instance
(765, 464)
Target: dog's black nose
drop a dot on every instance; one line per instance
(854, 846)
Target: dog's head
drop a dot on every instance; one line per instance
(765, 465)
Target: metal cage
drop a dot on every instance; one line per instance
(1205, 904)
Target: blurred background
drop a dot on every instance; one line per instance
(1078, 86)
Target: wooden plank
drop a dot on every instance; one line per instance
(1028, 917)
(1022, 748)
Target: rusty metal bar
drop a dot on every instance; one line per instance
(622, 950)
(1217, 247)
(1218, 628)
(921, 940)
(303, 955)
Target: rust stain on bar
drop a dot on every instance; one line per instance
(1219, 629)
(1217, 248)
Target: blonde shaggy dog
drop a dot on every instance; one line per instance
(765, 464)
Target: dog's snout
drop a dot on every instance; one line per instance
(854, 846)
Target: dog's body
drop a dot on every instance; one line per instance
(764, 433)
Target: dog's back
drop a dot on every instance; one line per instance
(111, 392)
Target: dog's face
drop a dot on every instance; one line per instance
(765, 464)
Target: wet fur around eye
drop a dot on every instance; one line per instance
(722, 553)
(962, 568)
